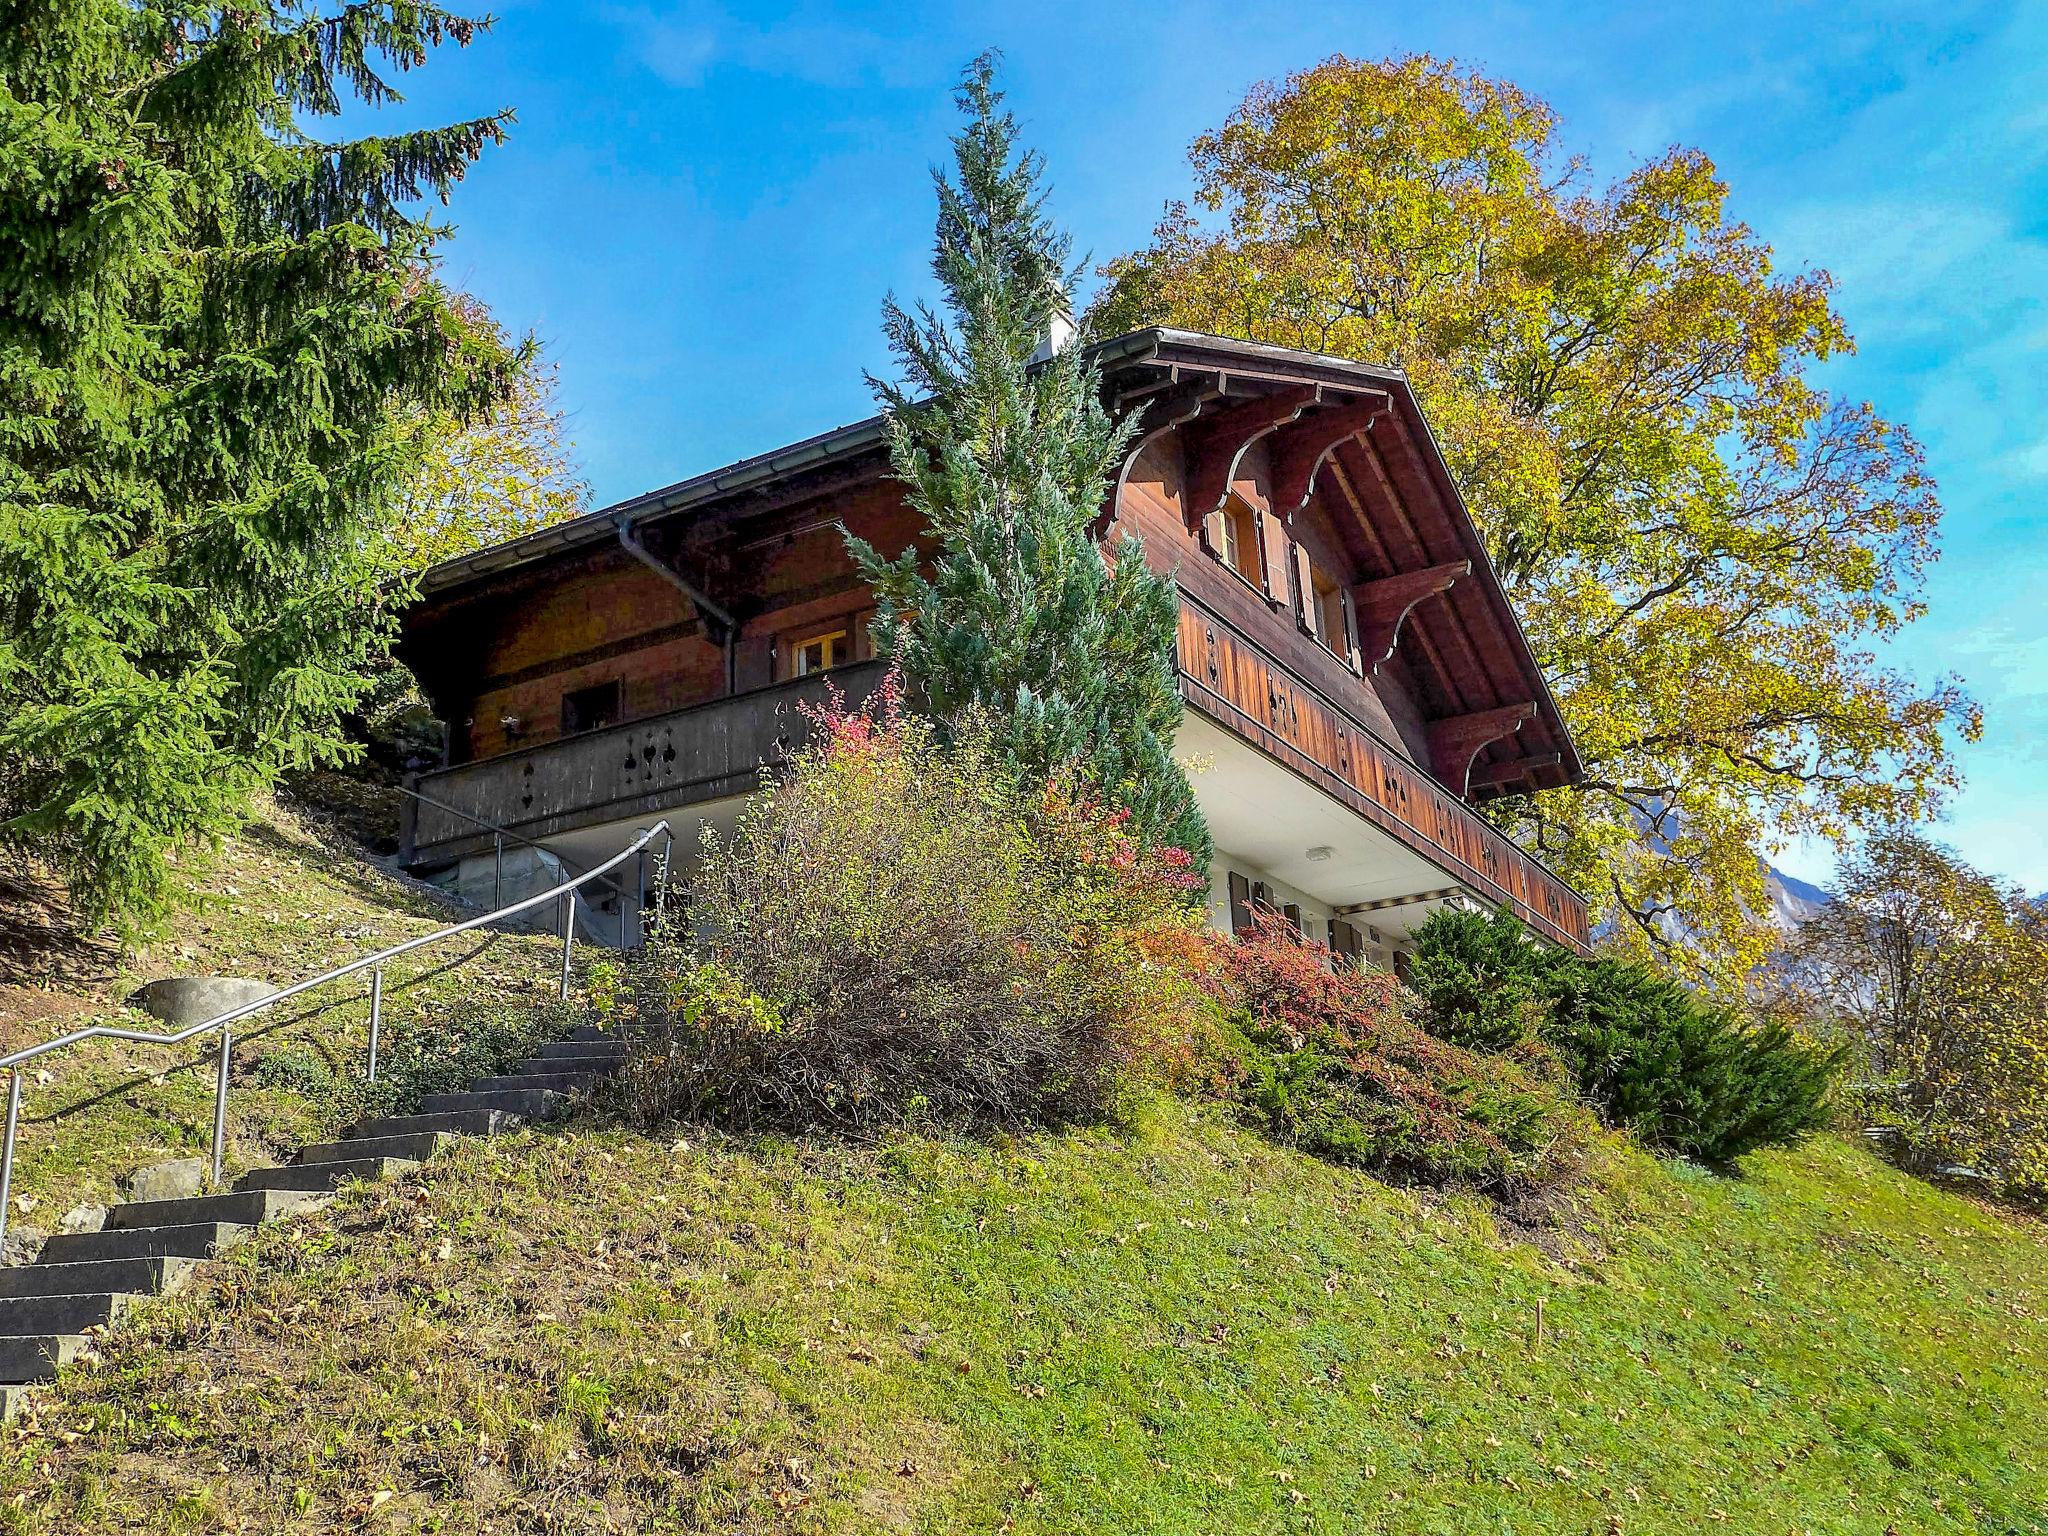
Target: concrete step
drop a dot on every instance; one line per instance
(616, 1034)
(244, 1208)
(152, 1275)
(467, 1122)
(13, 1399)
(526, 1103)
(38, 1358)
(27, 1317)
(196, 1240)
(584, 1050)
(413, 1147)
(320, 1177)
(548, 1082)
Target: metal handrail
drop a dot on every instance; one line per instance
(499, 834)
(565, 893)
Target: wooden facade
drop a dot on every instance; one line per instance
(1339, 616)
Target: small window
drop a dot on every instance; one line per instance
(820, 653)
(1232, 532)
(590, 709)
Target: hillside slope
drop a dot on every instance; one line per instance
(1176, 1328)
(295, 892)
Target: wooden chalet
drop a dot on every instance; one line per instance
(1354, 678)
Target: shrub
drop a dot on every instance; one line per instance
(1680, 1072)
(1331, 1061)
(899, 931)
(1480, 978)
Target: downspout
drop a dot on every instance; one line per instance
(630, 538)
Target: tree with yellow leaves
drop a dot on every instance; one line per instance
(1705, 544)
(493, 478)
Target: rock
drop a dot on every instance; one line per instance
(83, 1218)
(176, 1180)
(185, 1000)
(22, 1244)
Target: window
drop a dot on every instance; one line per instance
(1232, 534)
(1322, 605)
(590, 709)
(819, 653)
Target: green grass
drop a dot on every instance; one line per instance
(1174, 1328)
(290, 896)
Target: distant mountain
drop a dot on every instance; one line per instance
(1793, 900)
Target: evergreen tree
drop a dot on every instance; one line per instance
(221, 339)
(1068, 649)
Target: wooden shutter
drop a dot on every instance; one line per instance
(1350, 630)
(1273, 556)
(1240, 903)
(1293, 915)
(1346, 940)
(1304, 591)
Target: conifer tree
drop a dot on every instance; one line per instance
(220, 337)
(1067, 649)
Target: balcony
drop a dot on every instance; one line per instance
(707, 752)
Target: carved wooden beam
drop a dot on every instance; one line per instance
(1383, 606)
(1161, 415)
(1456, 741)
(1301, 453)
(1216, 444)
(1388, 903)
(1498, 776)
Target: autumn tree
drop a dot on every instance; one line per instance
(1940, 975)
(1706, 545)
(1065, 654)
(489, 478)
(221, 335)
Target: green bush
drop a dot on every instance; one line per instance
(1681, 1073)
(1480, 978)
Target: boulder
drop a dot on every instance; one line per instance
(181, 1001)
(83, 1218)
(176, 1180)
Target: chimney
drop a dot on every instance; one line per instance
(1059, 330)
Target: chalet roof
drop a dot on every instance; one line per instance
(1158, 352)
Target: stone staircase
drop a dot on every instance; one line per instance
(82, 1282)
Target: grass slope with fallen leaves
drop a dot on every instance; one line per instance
(294, 893)
(1173, 1328)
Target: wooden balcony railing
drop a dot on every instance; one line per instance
(1235, 683)
(709, 751)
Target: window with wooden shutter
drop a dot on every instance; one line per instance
(1350, 618)
(1304, 590)
(1293, 915)
(1240, 903)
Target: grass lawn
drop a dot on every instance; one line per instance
(1173, 1328)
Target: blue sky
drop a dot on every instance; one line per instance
(702, 206)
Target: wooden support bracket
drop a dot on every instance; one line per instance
(1499, 776)
(1383, 606)
(1299, 455)
(1456, 741)
(1217, 443)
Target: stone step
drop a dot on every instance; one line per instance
(413, 1147)
(526, 1103)
(584, 1050)
(617, 1034)
(151, 1275)
(468, 1122)
(320, 1177)
(196, 1240)
(38, 1358)
(13, 1399)
(28, 1317)
(548, 1082)
(244, 1208)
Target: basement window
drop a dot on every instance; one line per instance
(590, 709)
(820, 653)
